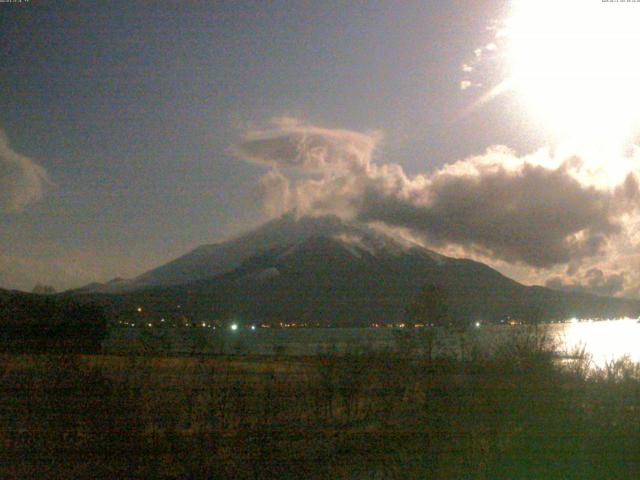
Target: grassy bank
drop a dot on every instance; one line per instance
(514, 413)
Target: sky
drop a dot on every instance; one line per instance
(133, 132)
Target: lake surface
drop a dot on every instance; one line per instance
(603, 340)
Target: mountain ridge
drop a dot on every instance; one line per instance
(328, 272)
(209, 260)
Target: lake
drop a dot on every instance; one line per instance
(603, 340)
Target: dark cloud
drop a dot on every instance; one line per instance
(593, 281)
(22, 181)
(627, 194)
(533, 210)
(535, 215)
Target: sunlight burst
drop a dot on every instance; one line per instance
(575, 65)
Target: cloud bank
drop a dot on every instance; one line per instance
(22, 181)
(538, 210)
(593, 280)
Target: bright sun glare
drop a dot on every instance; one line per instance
(575, 64)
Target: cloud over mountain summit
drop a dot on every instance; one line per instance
(538, 210)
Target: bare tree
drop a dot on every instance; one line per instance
(430, 308)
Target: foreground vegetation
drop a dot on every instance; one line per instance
(514, 413)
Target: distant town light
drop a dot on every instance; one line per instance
(149, 324)
(477, 324)
(139, 309)
(253, 327)
(234, 326)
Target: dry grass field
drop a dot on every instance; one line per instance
(514, 414)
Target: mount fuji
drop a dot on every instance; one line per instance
(327, 271)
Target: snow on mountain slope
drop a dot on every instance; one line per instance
(285, 232)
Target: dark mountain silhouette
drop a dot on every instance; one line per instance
(46, 323)
(330, 272)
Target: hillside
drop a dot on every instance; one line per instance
(328, 272)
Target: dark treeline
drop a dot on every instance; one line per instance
(360, 303)
(31, 323)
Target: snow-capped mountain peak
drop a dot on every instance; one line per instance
(286, 233)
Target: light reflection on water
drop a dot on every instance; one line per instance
(604, 340)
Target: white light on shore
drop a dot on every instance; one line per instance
(234, 326)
